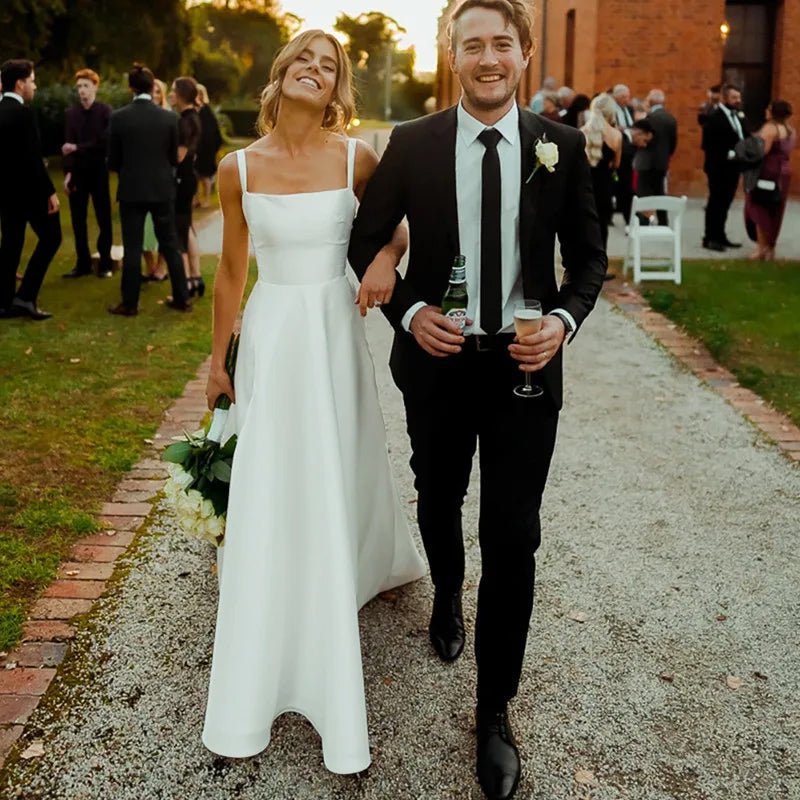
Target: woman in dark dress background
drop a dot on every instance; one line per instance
(779, 141)
(604, 151)
(577, 111)
(184, 98)
(210, 143)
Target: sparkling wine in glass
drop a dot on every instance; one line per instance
(528, 320)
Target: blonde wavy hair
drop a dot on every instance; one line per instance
(164, 92)
(601, 111)
(342, 108)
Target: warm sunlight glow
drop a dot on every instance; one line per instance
(418, 17)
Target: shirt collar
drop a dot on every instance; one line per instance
(15, 96)
(656, 106)
(469, 128)
(143, 96)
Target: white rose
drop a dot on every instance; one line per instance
(206, 509)
(547, 155)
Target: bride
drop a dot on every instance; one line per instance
(314, 527)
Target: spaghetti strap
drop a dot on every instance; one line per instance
(242, 162)
(352, 145)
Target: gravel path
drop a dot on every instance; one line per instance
(671, 530)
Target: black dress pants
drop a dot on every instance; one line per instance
(722, 186)
(132, 216)
(91, 183)
(457, 404)
(47, 227)
(652, 183)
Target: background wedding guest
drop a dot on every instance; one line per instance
(566, 95)
(577, 111)
(604, 151)
(210, 143)
(724, 128)
(86, 173)
(155, 266)
(549, 84)
(184, 98)
(623, 188)
(652, 162)
(27, 196)
(143, 149)
(710, 104)
(764, 210)
(639, 109)
(550, 108)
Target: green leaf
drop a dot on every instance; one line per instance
(221, 471)
(177, 453)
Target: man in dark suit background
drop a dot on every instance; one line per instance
(143, 149)
(652, 162)
(27, 196)
(623, 188)
(723, 129)
(471, 183)
(86, 174)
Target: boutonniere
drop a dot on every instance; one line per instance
(740, 114)
(546, 155)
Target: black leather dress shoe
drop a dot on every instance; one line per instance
(729, 243)
(77, 273)
(176, 306)
(27, 308)
(498, 764)
(712, 245)
(122, 310)
(447, 625)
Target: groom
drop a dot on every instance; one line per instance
(462, 179)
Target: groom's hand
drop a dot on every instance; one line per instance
(536, 351)
(436, 334)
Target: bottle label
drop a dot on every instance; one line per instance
(458, 316)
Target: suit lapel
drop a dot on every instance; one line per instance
(530, 195)
(445, 159)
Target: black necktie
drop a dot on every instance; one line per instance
(491, 255)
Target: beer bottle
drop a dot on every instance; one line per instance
(454, 302)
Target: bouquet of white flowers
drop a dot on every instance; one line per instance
(200, 471)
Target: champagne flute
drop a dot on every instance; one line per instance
(528, 320)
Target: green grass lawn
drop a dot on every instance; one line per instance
(748, 316)
(79, 394)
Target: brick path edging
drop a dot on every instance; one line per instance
(690, 352)
(27, 672)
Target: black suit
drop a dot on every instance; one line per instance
(652, 162)
(25, 188)
(623, 188)
(453, 402)
(719, 138)
(143, 148)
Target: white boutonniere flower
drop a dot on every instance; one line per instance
(740, 114)
(546, 154)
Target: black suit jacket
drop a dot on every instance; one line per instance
(143, 148)
(416, 178)
(24, 180)
(719, 138)
(657, 154)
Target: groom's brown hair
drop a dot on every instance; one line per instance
(515, 12)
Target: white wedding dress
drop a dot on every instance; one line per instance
(314, 525)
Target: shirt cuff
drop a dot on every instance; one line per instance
(565, 317)
(409, 315)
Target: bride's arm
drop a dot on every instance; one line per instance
(379, 280)
(231, 276)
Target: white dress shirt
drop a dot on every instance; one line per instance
(469, 185)
(15, 96)
(624, 119)
(733, 118)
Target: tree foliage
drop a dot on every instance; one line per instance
(372, 45)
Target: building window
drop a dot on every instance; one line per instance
(569, 50)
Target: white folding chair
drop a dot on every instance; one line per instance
(656, 234)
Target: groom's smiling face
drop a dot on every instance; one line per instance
(487, 56)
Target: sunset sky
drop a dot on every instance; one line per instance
(418, 17)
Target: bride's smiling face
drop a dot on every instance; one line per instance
(311, 77)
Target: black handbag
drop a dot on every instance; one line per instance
(766, 193)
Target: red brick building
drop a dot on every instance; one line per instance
(680, 46)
